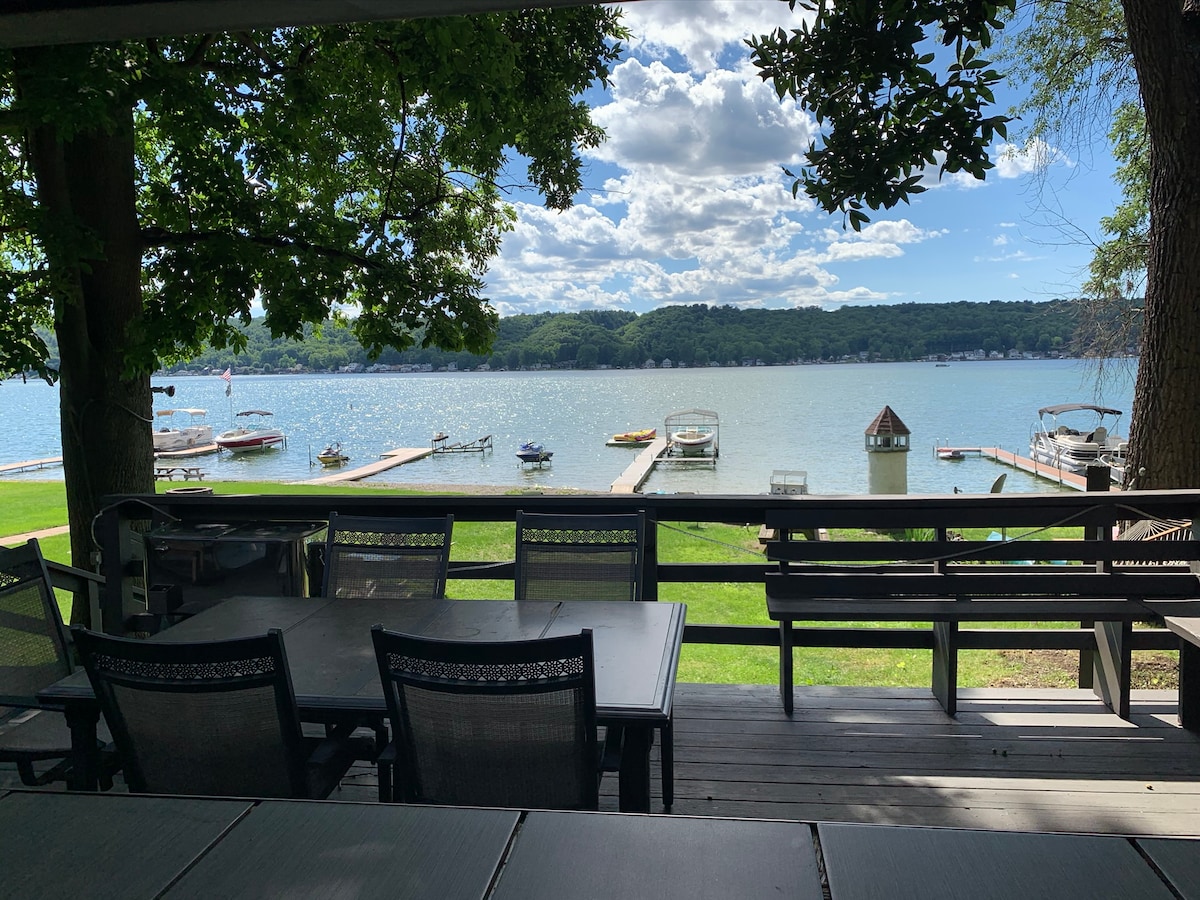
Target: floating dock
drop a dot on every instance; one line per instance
(388, 460)
(9, 468)
(639, 470)
(187, 452)
(1025, 464)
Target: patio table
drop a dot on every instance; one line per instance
(871, 862)
(103, 845)
(335, 675)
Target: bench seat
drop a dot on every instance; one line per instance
(1104, 584)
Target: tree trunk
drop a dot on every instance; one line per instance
(1165, 38)
(86, 187)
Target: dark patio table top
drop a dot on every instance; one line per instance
(334, 671)
(100, 846)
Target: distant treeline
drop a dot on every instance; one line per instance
(699, 335)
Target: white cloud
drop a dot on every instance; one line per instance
(719, 124)
(701, 31)
(1015, 162)
(689, 203)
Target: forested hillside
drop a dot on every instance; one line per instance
(697, 335)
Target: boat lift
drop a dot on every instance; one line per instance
(692, 422)
(440, 445)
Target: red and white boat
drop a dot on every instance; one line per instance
(244, 439)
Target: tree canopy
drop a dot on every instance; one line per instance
(152, 191)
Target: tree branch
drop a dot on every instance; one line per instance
(160, 237)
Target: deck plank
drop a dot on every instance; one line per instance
(1015, 759)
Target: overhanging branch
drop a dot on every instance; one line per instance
(160, 237)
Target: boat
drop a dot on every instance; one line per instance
(950, 453)
(244, 439)
(789, 482)
(171, 437)
(693, 441)
(1115, 459)
(693, 433)
(333, 455)
(533, 452)
(1073, 449)
(644, 436)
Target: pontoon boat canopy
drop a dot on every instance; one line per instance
(1071, 407)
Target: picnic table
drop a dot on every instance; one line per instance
(169, 473)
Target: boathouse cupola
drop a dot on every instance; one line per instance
(887, 440)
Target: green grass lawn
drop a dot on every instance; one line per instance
(28, 506)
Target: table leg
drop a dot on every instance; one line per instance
(85, 755)
(1189, 685)
(635, 768)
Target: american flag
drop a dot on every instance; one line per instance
(227, 376)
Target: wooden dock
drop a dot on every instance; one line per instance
(9, 468)
(639, 470)
(188, 452)
(1025, 464)
(388, 460)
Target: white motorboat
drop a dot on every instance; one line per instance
(243, 439)
(172, 437)
(693, 433)
(1071, 448)
(693, 441)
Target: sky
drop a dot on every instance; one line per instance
(687, 202)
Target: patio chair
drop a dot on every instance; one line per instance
(579, 557)
(33, 655)
(588, 557)
(402, 559)
(214, 718)
(510, 723)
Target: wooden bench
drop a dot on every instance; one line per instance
(1104, 584)
(187, 473)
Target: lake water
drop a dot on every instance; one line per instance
(797, 417)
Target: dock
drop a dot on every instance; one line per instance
(639, 470)
(1026, 464)
(388, 460)
(187, 452)
(9, 468)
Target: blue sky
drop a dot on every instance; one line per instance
(686, 201)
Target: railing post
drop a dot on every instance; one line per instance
(650, 557)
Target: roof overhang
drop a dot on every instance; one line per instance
(28, 23)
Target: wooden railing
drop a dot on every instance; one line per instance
(125, 518)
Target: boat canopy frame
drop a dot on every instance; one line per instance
(695, 420)
(1059, 408)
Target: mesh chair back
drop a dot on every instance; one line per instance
(508, 724)
(570, 557)
(211, 718)
(33, 647)
(390, 559)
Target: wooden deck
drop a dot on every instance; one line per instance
(1036, 760)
